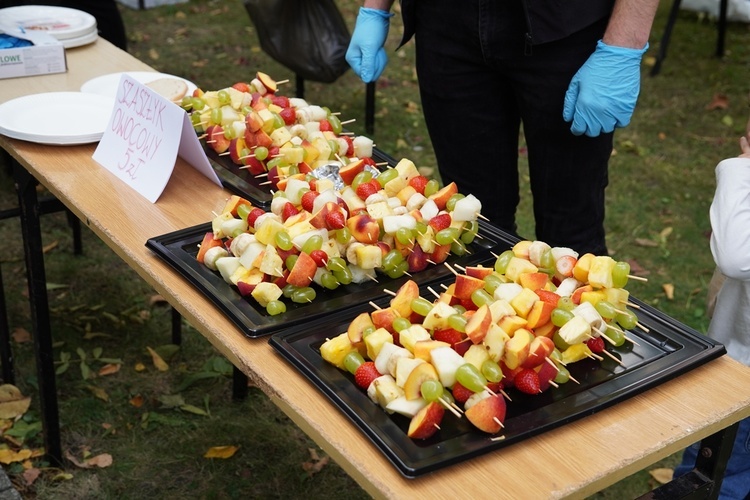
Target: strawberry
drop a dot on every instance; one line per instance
(365, 374)
(325, 126)
(288, 210)
(440, 221)
(253, 216)
(308, 200)
(461, 393)
(335, 219)
(320, 257)
(448, 335)
(366, 189)
(281, 101)
(349, 147)
(418, 183)
(527, 380)
(288, 115)
(596, 344)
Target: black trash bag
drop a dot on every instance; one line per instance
(309, 37)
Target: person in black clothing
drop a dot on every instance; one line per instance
(109, 21)
(567, 71)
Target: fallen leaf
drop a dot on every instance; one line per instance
(719, 101)
(662, 136)
(662, 475)
(12, 403)
(8, 456)
(21, 335)
(642, 242)
(194, 410)
(31, 475)
(637, 269)
(221, 452)
(316, 463)
(668, 290)
(109, 369)
(136, 401)
(153, 54)
(63, 476)
(102, 460)
(49, 247)
(159, 363)
(139, 367)
(98, 392)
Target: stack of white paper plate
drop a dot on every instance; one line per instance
(71, 27)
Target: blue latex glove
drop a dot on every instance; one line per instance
(366, 53)
(603, 93)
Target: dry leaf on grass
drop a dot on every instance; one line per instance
(221, 452)
(31, 475)
(718, 101)
(668, 290)
(12, 403)
(103, 460)
(21, 335)
(8, 456)
(159, 363)
(643, 242)
(137, 401)
(98, 392)
(316, 463)
(662, 475)
(109, 369)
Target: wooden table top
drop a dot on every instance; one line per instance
(574, 460)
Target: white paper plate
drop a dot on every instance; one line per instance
(60, 118)
(106, 85)
(70, 43)
(61, 22)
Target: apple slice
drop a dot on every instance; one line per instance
(426, 422)
(357, 326)
(466, 285)
(406, 407)
(539, 349)
(303, 271)
(488, 414)
(479, 324)
(401, 302)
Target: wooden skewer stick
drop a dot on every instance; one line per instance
(225, 153)
(436, 426)
(389, 292)
(431, 262)
(554, 365)
(497, 438)
(595, 356)
(494, 255)
(433, 292)
(265, 183)
(346, 122)
(406, 273)
(336, 113)
(642, 327)
(631, 304)
(498, 422)
(381, 164)
(460, 268)
(374, 305)
(444, 286)
(264, 174)
(637, 278)
(553, 384)
(450, 268)
(482, 217)
(372, 277)
(574, 380)
(612, 356)
(202, 136)
(505, 395)
(601, 334)
(346, 133)
(449, 407)
(282, 82)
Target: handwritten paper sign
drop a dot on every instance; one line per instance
(145, 134)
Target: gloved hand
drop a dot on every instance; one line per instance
(603, 93)
(366, 53)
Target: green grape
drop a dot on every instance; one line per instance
(400, 324)
(368, 330)
(559, 342)
(398, 271)
(334, 145)
(547, 260)
(560, 316)
(329, 281)
(446, 236)
(421, 306)
(501, 263)
(556, 355)
(336, 127)
(431, 390)
(261, 153)
(283, 240)
(352, 361)
(616, 336)
(457, 322)
(392, 259)
(195, 119)
(245, 110)
(288, 290)
(293, 170)
(491, 282)
(421, 228)
(404, 235)
(563, 375)
(458, 248)
(278, 121)
(230, 133)
(470, 377)
(303, 295)
(279, 194)
(432, 187)
(224, 97)
(290, 261)
(279, 161)
(361, 178)
(198, 103)
(451, 203)
(626, 319)
(620, 273)
(344, 276)
(336, 264)
(470, 232)
(386, 176)
(343, 235)
(216, 115)
(492, 371)
(605, 309)
(275, 307)
(187, 103)
(566, 303)
(243, 211)
(312, 243)
(459, 309)
(481, 297)
(448, 398)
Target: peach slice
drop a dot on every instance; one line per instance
(303, 271)
(517, 348)
(466, 285)
(479, 324)
(426, 422)
(488, 414)
(406, 293)
(420, 373)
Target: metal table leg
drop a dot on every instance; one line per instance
(6, 350)
(704, 481)
(41, 329)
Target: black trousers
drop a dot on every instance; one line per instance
(109, 22)
(479, 83)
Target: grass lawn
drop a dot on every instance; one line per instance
(157, 425)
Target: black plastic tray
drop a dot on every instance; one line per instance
(667, 350)
(180, 248)
(241, 182)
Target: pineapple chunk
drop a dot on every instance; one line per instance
(265, 291)
(335, 350)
